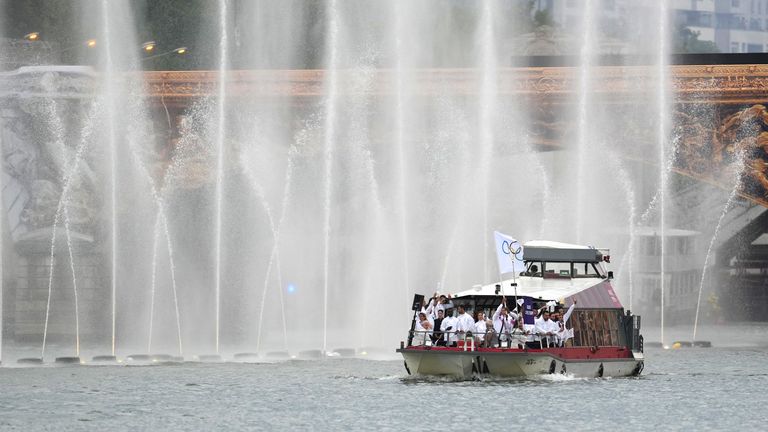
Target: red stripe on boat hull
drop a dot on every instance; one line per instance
(570, 353)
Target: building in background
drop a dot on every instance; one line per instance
(735, 26)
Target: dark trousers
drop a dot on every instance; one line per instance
(438, 339)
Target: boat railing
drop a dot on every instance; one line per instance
(491, 339)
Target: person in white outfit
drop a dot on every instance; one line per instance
(424, 327)
(566, 333)
(465, 323)
(503, 322)
(480, 328)
(448, 327)
(441, 303)
(546, 329)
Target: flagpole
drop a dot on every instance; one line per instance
(501, 241)
(514, 275)
(514, 281)
(513, 257)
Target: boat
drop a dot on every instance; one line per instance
(605, 342)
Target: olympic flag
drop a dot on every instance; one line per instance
(509, 253)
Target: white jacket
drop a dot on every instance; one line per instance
(507, 324)
(480, 329)
(465, 323)
(449, 322)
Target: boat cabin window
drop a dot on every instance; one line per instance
(562, 270)
(556, 270)
(586, 270)
(532, 268)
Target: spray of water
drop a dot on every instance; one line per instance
(112, 136)
(450, 174)
(160, 218)
(2, 251)
(223, 42)
(74, 280)
(663, 132)
(159, 197)
(274, 255)
(329, 149)
(58, 131)
(525, 146)
(546, 199)
(653, 204)
(586, 57)
(155, 240)
(361, 153)
(172, 269)
(629, 194)
(70, 172)
(161, 221)
(447, 258)
(488, 95)
(400, 145)
(740, 162)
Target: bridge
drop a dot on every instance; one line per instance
(719, 120)
(734, 94)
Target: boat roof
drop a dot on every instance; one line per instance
(534, 287)
(554, 245)
(590, 292)
(548, 251)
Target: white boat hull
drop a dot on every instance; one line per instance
(467, 364)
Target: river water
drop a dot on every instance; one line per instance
(695, 388)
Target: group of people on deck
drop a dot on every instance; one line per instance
(437, 324)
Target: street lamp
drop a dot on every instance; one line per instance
(32, 36)
(179, 50)
(148, 46)
(90, 43)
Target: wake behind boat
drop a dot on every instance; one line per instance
(589, 334)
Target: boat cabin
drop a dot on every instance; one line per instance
(571, 261)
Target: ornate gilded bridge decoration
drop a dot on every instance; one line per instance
(736, 150)
(719, 117)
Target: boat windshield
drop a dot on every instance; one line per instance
(586, 270)
(563, 270)
(557, 270)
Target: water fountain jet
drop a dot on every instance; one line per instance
(223, 42)
(329, 151)
(663, 134)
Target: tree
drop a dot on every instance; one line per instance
(53, 23)
(686, 40)
(543, 18)
(179, 23)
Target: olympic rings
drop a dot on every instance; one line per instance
(506, 247)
